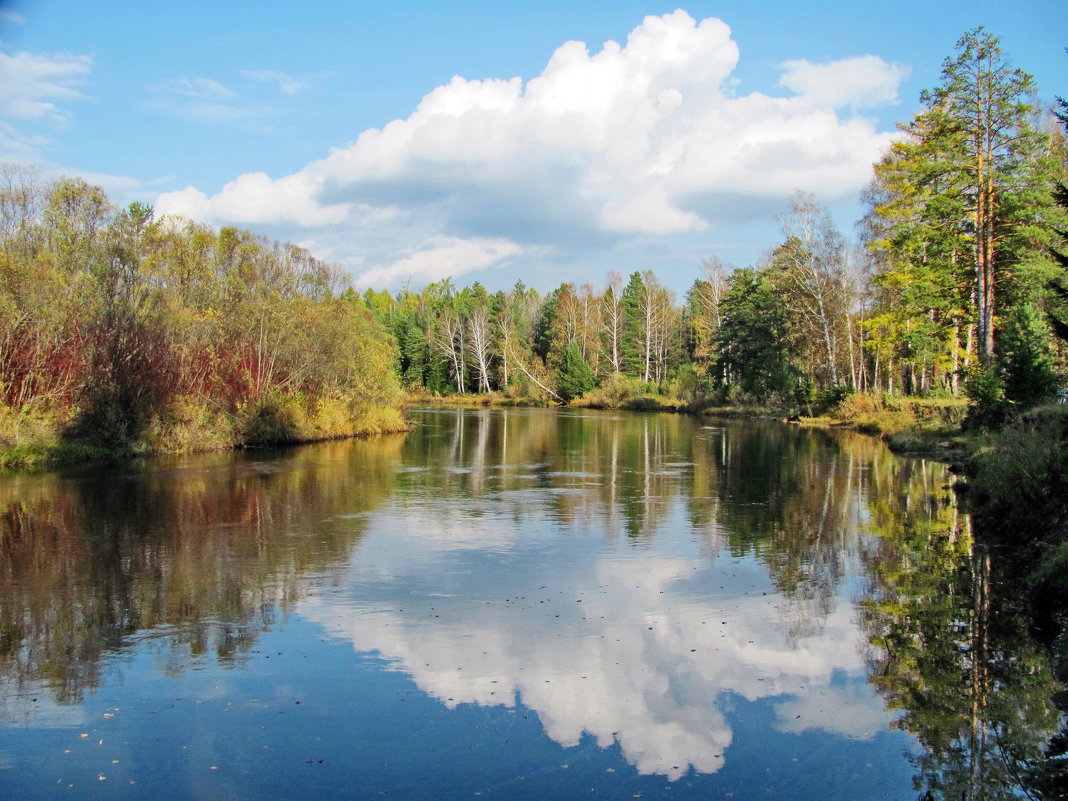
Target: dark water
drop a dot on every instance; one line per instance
(520, 604)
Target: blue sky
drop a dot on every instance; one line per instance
(511, 153)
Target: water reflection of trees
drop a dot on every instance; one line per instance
(790, 497)
(795, 501)
(206, 553)
(617, 470)
(948, 647)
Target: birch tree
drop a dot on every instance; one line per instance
(613, 321)
(478, 345)
(811, 268)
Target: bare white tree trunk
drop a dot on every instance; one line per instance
(478, 345)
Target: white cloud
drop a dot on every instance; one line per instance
(441, 257)
(19, 147)
(254, 198)
(644, 139)
(30, 83)
(287, 84)
(121, 189)
(11, 17)
(859, 82)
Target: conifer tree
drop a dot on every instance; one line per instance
(574, 376)
(1025, 358)
(631, 354)
(992, 161)
(751, 343)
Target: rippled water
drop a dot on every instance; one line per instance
(503, 603)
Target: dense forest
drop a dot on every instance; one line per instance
(953, 285)
(125, 332)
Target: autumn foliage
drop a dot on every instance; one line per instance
(126, 332)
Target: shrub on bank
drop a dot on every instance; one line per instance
(190, 425)
(25, 439)
(1019, 482)
(621, 392)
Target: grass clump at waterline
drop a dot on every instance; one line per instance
(30, 441)
(26, 440)
(907, 424)
(632, 394)
(421, 397)
(614, 392)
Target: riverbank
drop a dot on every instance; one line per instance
(908, 425)
(29, 441)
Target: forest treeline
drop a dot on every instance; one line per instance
(121, 332)
(957, 279)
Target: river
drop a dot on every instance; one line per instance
(512, 604)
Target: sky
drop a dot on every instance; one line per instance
(485, 141)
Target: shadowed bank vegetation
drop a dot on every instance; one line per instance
(123, 333)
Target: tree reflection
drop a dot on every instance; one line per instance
(790, 497)
(203, 555)
(948, 647)
(796, 503)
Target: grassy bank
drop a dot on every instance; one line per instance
(911, 425)
(908, 424)
(615, 392)
(29, 441)
(468, 399)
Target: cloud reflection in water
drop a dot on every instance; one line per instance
(635, 646)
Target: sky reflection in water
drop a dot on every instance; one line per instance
(493, 593)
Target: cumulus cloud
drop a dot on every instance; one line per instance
(644, 139)
(32, 83)
(859, 82)
(254, 198)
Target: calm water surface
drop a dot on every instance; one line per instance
(512, 604)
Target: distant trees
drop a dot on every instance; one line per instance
(811, 270)
(806, 326)
(703, 317)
